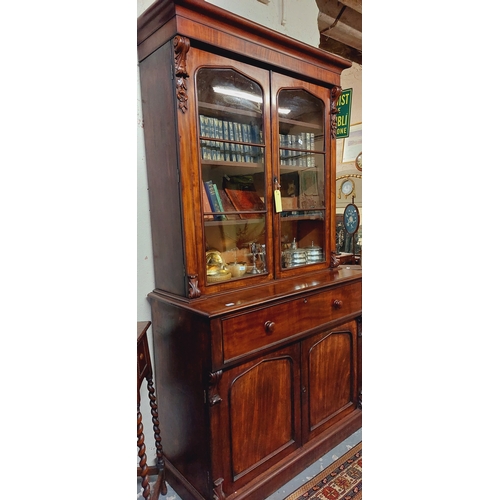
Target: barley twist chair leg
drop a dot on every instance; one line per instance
(142, 456)
(156, 428)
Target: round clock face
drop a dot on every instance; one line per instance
(358, 162)
(351, 218)
(347, 187)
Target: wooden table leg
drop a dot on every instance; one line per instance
(156, 428)
(142, 456)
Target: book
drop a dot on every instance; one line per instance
(219, 201)
(225, 135)
(206, 206)
(227, 205)
(246, 201)
(212, 199)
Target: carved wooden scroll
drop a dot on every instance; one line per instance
(213, 388)
(334, 262)
(334, 110)
(194, 291)
(181, 48)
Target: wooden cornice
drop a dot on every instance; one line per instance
(197, 13)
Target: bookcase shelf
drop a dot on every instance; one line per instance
(226, 110)
(234, 221)
(301, 124)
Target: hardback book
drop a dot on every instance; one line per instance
(227, 205)
(212, 199)
(206, 206)
(246, 201)
(219, 201)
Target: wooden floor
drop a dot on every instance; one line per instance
(292, 485)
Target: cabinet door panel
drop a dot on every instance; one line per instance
(329, 378)
(262, 410)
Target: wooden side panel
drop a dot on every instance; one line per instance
(181, 354)
(160, 137)
(330, 377)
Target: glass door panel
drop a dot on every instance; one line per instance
(301, 118)
(232, 150)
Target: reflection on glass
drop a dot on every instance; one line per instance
(241, 246)
(302, 177)
(232, 171)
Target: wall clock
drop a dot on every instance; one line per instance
(358, 162)
(347, 187)
(351, 218)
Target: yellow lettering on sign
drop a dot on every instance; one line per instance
(343, 99)
(341, 120)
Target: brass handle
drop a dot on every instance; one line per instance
(269, 326)
(337, 304)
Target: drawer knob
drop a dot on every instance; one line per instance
(337, 304)
(269, 326)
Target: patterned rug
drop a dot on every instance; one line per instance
(340, 481)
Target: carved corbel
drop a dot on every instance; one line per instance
(194, 291)
(334, 262)
(334, 110)
(213, 388)
(181, 48)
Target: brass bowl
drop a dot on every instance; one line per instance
(215, 263)
(223, 275)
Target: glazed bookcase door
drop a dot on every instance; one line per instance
(303, 164)
(234, 151)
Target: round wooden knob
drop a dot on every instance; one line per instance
(269, 326)
(337, 304)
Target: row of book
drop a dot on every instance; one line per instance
(241, 136)
(303, 141)
(227, 200)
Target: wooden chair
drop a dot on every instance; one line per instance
(145, 371)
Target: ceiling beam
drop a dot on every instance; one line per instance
(353, 4)
(336, 47)
(343, 33)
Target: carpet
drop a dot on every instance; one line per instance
(339, 481)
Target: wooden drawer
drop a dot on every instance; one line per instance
(256, 329)
(142, 357)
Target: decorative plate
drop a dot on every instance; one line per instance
(351, 218)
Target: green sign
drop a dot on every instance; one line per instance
(344, 114)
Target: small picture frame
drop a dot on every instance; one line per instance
(352, 144)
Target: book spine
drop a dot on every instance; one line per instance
(313, 161)
(308, 147)
(245, 131)
(232, 146)
(203, 133)
(239, 137)
(225, 135)
(212, 198)
(219, 201)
